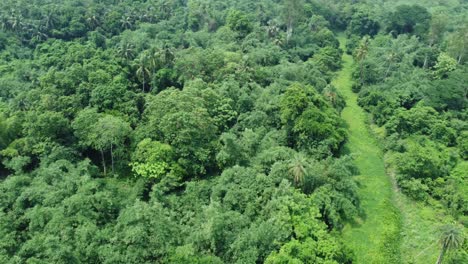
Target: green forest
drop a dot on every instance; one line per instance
(210, 132)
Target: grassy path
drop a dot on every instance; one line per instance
(375, 236)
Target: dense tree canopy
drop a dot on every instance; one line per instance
(158, 131)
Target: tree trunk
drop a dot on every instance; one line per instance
(151, 79)
(288, 34)
(143, 86)
(426, 56)
(112, 158)
(425, 62)
(387, 71)
(361, 72)
(103, 162)
(289, 29)
(441, 255)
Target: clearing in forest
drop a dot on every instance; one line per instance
(375, 236)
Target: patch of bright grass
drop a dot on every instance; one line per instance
(375, 236)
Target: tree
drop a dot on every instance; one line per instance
(363, 24)
(101, 132)
(232, 151)
(143, 70)
(451, 237)
(436, 31)
(417, 120)
(408, 19)
(46, 125)
(93, 19)
(308, 243)
(49, 19)
(297, 169)
(126, 50)
(444, 65)
(109, 133)
(155, 160)
(7, 132)
(361, 54)
(449, 93)
(126, 22)
(179, 118)
(310, 120)
(328, 59)
(237, 21)
(143, 232)
(457, 42)
(422, 161)
(292, 13)
(437, 28)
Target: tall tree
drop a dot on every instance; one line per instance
(143, 72)
(361, 54)
(292, 13)
(409, 19)
(108, 133)
(101, 132)
(457, 43)
(127, 51)
(297, 169)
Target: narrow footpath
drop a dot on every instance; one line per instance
(375, 236)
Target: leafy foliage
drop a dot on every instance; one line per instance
(219, 123)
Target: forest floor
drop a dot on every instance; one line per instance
(392, 228)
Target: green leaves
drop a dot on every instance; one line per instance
(310, 120)
(101, 132)
(311, 243)
(423, 161)
(239, 22)
(180, 120)
(155, 160)
(413, 19)
(444, 65)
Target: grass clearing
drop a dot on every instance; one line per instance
(375, 237)
(393, 228)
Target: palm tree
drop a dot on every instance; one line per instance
(153, 60)
(92, 20)
(165, 9)
(298, 168)
(4, 23)
(361, 54)
(451, 237)
(126, 51)
(126, 22)
(167, 55)
(142, 70)
(37, 36)
(272, 29)
(49, 19)
(15, 22)
(278, 41)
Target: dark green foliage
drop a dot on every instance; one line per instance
(309, 120)
(449, 93)
(239, 22)
(362, 23)
(409, 19)
(181, 120)
(422, 161)
(219, 123)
